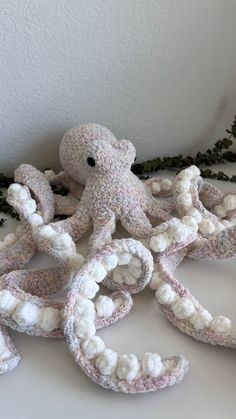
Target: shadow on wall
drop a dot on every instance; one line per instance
(206, 139)
(37, 152)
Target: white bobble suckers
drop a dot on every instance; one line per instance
(187, 202)
(24, 315)
(126, 269)
(19, 196)
(158, 185)
(183, 310)
(107, 368)
(173, 233)
(60, 245)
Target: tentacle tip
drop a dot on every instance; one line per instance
(9, 364)
(173, 372)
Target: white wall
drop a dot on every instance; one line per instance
(159, 72)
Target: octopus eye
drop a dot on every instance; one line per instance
(91, 161)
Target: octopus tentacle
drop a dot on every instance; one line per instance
(57, 239)
(103, 228)
(166, 237)
(119, 373)
(122, 304)
(225, 207)
(137, 223)
(26, 312)
(216, 236)
(9, 357)
(209, 195)
(162, 187)
(21, 247)
(31, 177)
(183, 310)
(222, 246)
(133, 263)
(18, 254)
(43, 283)
(186, 186)
(65, 205)
(191, 202)
(161, 208)
(25, 308)
(77, 225)
(64, 179)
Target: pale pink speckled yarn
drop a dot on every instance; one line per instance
(10, 357)
(97, 170)
(32, 289)
(198, 322)
(173, 368)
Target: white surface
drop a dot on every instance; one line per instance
(160, 73)
(47, 383)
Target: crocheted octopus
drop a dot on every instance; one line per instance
(186, 217)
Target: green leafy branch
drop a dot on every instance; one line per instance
(217, 154)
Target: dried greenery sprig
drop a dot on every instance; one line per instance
(60, 190)
(6, 209)
(217, 154)
(5, 182)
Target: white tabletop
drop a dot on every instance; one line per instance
(47, 383)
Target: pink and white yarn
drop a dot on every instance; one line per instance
(25, 306)
(103, 365)
(182, 308)
(198, 222)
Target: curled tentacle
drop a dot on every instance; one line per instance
(119, 373)
(183, 310)
(169, 236)
(111, 309)
(161, 208)
(25, 308)
(187, 191)
(26, 312)
(216, 235)
(209, 194)
(9, 357)
(129, 266)
(36, 182)
(17, 249)
(54, 238)
(64, 179)
(74, 226)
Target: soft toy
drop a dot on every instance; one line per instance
(198, 222)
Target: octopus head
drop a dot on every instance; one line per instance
(92, 148)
